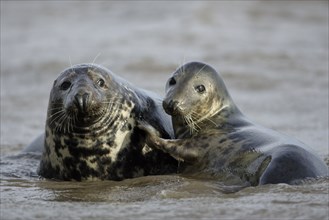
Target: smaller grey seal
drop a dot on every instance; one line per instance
(214, 139)
(91, 130)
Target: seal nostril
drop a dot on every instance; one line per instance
(81, 101)
(78, 101)
(85, 98)
(171, 106)
(172, 81)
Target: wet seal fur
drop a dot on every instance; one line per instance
(214, 139)
(91, 130)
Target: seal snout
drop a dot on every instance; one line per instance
(171, 107)
(81, 100)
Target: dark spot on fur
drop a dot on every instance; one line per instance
(86, 152)
(47, 150)
(57, 147)
(205, 145)
(110, 142)
(222, 140)
(125, 126)
(47, 171)
(69, 162)
(59, 154)
(71, 171)
(86, 171)
(102, 163)
(188, 145)
(235, 137)
(227, 150)
(71, 142)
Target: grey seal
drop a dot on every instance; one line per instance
(91, 131)
(214, 138)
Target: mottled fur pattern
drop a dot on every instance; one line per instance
(91, 128)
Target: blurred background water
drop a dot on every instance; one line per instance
(273, 56)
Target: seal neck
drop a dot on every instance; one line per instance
(227, 118)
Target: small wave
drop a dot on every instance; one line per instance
(21, 165)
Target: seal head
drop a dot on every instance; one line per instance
(194, 95)
(80, 100)
(91, 128)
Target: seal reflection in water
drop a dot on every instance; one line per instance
(215, 139)
(91, 130)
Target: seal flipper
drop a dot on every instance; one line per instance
(176, 148)
(36, 146)
(290, 163)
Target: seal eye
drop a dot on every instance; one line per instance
(200, 88)
(101, 83)
(172, 81)
(65, 85)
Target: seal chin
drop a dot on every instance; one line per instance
(91, 117)
(73, 120)
(86, 120)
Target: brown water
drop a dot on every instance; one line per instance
(273, 56)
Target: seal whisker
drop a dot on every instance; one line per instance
(75, 119)
(93, 63)
(199, 118)
(55, 108)
(61, 124)
(201, 69)
(70, 124)
(58, 116)
(66, 124)
(181, 70)
(211, 121)
(187, 122)
(195, 123)
(56, 113)
(113, 103)
(180, 63)
(70, 62)
(114, 100)
(190, 126)
(53, 112)
(193, 127)
(224, 107)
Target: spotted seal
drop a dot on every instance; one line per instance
(91, 130)
(214, 139)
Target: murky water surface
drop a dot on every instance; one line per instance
(273, 56)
